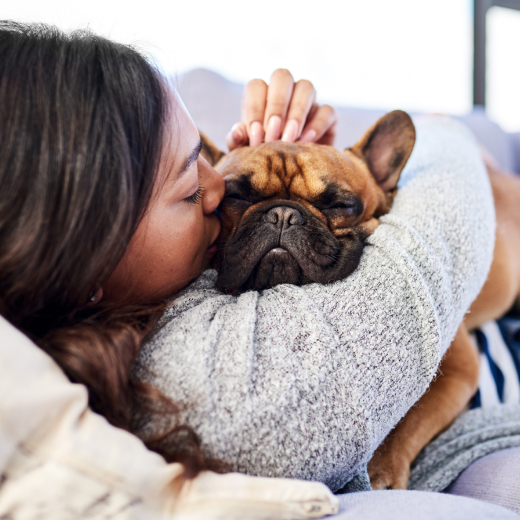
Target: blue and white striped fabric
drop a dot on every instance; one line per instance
(499, 346)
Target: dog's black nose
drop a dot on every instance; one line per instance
(284, 217)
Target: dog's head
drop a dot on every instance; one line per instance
(300, 213)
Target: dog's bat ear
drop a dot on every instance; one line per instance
(386, 147)
(209, 151)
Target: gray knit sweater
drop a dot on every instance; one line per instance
(306, 382)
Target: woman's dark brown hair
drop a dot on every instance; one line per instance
(81, 131)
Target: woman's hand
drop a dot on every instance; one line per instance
(283, 109)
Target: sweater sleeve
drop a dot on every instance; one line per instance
(305, 382)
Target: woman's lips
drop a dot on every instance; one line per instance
(211, 251)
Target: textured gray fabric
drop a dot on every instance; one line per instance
(416, 505)
(473, 435)
(359, 482)
(306, 382)
(494, 478)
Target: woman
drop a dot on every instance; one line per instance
(107, 209)
(107, 206)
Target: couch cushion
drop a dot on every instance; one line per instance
(214, 104)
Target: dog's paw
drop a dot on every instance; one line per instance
(388, 471)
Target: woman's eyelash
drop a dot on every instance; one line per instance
(196, 197)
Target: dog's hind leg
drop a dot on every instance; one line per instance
(446, 398)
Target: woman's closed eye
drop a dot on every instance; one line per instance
(196, 197)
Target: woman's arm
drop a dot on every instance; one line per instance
(305, 382)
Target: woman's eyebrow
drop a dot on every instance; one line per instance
(190, 159)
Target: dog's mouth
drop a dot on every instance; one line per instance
(282, 242)
(276, 267)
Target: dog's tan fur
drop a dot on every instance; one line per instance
(299, 172)
(457, 381)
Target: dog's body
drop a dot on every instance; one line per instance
(300, 213)
(450, 393)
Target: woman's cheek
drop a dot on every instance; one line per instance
(187, 227)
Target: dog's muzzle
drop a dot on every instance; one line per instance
(283, 242)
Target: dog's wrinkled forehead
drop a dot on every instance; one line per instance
(287, 170)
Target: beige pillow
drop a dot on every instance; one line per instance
(59, 460)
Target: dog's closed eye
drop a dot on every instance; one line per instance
(345, 208)
(241, 192)
(236, 202)
(235, 196)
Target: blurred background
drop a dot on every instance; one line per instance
(409, 54)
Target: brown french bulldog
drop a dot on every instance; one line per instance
(300, 213)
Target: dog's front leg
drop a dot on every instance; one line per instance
(446, 398)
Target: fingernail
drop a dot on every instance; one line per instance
(257, 133)
(291, 131)
(274, 129)
(308, 136)
(237, 134)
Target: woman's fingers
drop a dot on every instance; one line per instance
(320, 126)
(253, 110)
(285, 110)
(302, 101)
(279, 96)
(237, 136)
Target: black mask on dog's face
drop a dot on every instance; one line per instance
(300, 213)
(281, 241)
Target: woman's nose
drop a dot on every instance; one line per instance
(214, 186)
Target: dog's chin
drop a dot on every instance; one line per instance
(296, 267)
(276, 267)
